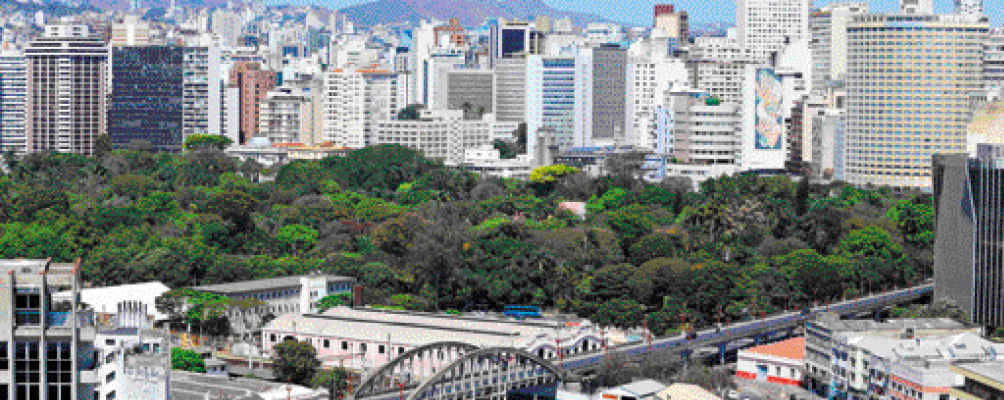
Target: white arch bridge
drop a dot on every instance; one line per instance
(454, 370)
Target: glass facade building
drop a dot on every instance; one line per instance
(146, 101)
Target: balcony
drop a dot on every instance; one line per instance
(28, 318)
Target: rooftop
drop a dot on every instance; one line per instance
(963, 346)
(266, 284)
(838, 325)
(792, 349)
(643, 388)
(993, 370)
(686, 391)
(35, 266)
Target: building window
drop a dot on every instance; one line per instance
(400, 350)
(4, 358)
(110, 377)
(271, 337)
(362, 347)
(327, 344)
(345, 345)
(110, 395)
(381, 349)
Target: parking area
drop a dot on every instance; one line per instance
(189, 386)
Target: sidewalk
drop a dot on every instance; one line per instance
(773, 391)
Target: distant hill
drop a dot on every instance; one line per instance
(471, 13)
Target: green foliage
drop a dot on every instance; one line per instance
(205, 142)
(551, 173)
(713, 101)
(915, 220)
(410, 112)
(295, 238)
(334, 300)
(295, 362)
(619, 313)
(187, 360)
(507, 150)
(612, 200)
(870, 242)
(337, 379)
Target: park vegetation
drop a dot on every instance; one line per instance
(418, 234)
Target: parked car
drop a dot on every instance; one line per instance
(732, 395)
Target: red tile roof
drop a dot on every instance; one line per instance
(792, 349)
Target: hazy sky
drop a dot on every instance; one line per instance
(640, 11)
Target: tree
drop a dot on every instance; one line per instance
(915, 220)
(295, 362)
(378, 169)
(507, 149)
(233, 206)
(334, 300)
(102, 146)
(620, 313)
(870, 242)
(410, 112)
(187, 360)
(207, 142)
(335, 380)
(630, 224)
(296, 238)
(802, 196)
(673, 242)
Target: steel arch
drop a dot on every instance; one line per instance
(417, 393)
(368, 383)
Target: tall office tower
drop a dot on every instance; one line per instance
(130, 32)
(609, 86)
(908, 94)
(354, 99)
(993, 59)
(969, 219)
(201, 86)
(764, 26)
(146, 99)
(67, 90)
(648, 80)
(969, 7)
(472, 87)
(285, 115)
(254, 84)
(696, 136)
(675, 25)
(718, 65)
(916, 6)
(829, 42)
(510, 90)
(13, 96)
(46, 345)
(433, 74)
(552, 99)
(514, 38)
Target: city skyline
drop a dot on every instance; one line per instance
(701, 11)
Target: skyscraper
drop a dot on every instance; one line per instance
(829, 42)
(993, 59)
(609, 87)
(510, 90)
(916, 6)
(969, 222)
(66, 90)
(909, 81)
(764, 26)
(551, 99)
(675, 25)
(13, 93)
(355, 99)
(46, 345)
(146, 100)
(254, 84)
(969, 7)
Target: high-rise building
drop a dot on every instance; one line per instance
(439, 134)
(67, 90)
(552, 99)
(354, 99)
(675, 25)
(202, 83)
(514, 38)
(473, 87)
(285, 114)
(609, 87)
(146, 98)
(969, 7)
(46, 346)
(510, 90)
(908, 94)
(13, 94)
(130, 32)
(993, 59)
(648, 79)
(916, 6)
(968, 255)
(254, 84)
(765, 26)
(829, 42)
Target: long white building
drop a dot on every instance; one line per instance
(13, 94)
(764, 26)
(441, 134)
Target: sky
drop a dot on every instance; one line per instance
(701, 11)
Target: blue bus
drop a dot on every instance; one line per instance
(522, 312)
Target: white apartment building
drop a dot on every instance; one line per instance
(487, 162)
(130, 32)
(829, 41)
(908, 94)
(354, 99)
(510, 89)
(285, 116)
(648, 80)
(695, 137)
(993, 59)
(71, 68)
(442, 134)
(202, 86)
(763, 26)
(13, 98)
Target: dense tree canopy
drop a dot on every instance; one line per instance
(418, 234)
